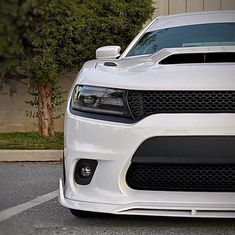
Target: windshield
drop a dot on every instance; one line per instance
(216, 34)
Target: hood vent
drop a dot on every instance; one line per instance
(110, 64)
(191, 58)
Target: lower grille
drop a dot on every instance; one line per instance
(182, 177)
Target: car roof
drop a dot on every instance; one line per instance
(162, 22)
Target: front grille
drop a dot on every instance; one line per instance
(182, 177)
(144, 103)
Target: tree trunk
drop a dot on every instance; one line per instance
(45, 110)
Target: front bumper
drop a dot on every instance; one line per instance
(155, 208)
(114, 144)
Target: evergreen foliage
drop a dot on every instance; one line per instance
(40, 40)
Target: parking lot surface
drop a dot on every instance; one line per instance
(23, 182)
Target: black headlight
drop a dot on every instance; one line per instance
(100, 100)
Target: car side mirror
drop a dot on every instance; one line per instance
(108, 52)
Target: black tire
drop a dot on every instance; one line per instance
(79, 213)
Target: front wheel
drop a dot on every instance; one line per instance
(79, 213)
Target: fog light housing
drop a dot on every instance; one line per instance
(84, 171)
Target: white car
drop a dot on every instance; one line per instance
(152, 131)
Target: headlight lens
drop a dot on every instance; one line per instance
(100, 100)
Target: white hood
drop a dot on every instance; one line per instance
(145, 72)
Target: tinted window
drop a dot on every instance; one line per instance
(217, 34)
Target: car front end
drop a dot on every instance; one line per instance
(154, 134)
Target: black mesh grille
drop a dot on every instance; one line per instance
(182, 177)
(144, 103)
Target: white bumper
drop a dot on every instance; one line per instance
(113, 145)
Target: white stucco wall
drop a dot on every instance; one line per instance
(167, 7)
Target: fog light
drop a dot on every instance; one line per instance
(85, 171)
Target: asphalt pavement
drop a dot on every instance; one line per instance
(23, 182)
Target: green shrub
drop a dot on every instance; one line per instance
(40, 40)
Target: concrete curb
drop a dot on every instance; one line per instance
(30, 155)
